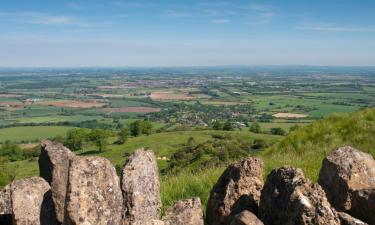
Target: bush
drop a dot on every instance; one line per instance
(255, 128)
(278, 131)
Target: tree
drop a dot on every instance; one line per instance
(11, 151)
(228, 126)
(100, 138)
(123, 135)
(255, 128)
(139, 127)
(146, 127)
(136, 128)
(76, 138)
(277, 131)
(217, 125)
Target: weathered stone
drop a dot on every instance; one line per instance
(141, 188)
(347, 219)
(32, 202)
(246, 218)
(185, 212)
(348, 177)
(5, 206)
(93, 194)
(54, 167)
(157, 222)
(289, 198)
(237, 189)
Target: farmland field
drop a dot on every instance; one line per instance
(31, 133)
(196, 120)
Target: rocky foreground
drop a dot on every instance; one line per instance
(75, 190)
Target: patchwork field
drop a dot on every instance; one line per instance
(132, 109)
(289, 115)
(73, 104)
(170, 96)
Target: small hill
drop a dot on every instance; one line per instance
(306, 147)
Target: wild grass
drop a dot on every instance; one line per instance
(307, 146)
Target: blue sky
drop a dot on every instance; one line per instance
(186, 33)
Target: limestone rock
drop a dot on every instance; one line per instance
(289, 198)
(348, 177)
(237, 189)
(141, 188)
(32, 202)
(185, 212)
(5, 201)
(246, 218)
(5, 206)
(346, 219)
(54, 167)
(157, 222)
(94, 194)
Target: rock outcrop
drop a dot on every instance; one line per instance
(86, 191)
(54, 167)
(32, 202)
(246, 218)
(141, 188)
(93, 194)
(289, 198)
(238, 189)
(185, 212)
(346, 219)
(348, 177)
(5, 206)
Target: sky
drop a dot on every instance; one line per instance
(122, 33)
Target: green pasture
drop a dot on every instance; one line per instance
(31, 133)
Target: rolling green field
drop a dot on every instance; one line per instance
(31, 133)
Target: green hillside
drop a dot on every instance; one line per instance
(304, 148)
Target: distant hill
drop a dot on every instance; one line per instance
(306, 147)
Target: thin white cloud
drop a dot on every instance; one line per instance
(74, 6)
(177, 14)
(334, 28)
(42, 19)
(220, 21)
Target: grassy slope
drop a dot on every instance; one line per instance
(304, 148)
(164, 144)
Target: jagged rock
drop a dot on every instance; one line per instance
(141, 188)
(346, 219)
(246, 218)
(5, 206)
(157, 222)
(289, 198)
(237, 189)
(185, 212)
(32, 202)
(93, 194)
(348, 177)
(54, 167)
(5, 201)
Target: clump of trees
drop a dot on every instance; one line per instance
(278, 131)
(255, 128)
(222, 149)
(140, 127)
(10, 151)
(77, 138)
(227, 126)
